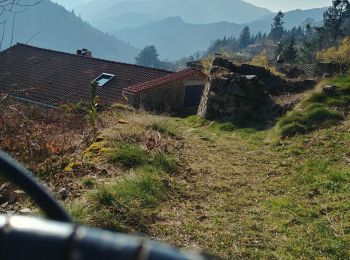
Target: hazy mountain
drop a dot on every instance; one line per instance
(71, 4)
(102, 12)
(125, 21)
(51, 26)
(175, 38)
(292, 18)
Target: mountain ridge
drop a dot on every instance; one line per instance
(175, 38)
(51, 26)
(192, 11)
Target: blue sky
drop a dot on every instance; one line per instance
(273, 5)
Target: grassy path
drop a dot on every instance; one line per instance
(248, 196)
(239, 194)
(225, 189)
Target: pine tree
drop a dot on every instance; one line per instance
(245, 38)
(333, 20)
(148, 57)
(259, 36)
(277, 29)
(290, 52)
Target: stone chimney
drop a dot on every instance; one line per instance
(84, 52)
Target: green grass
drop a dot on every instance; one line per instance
(88, 182)
(125, 205)
(165, 162)
(318, 110)
(130, 155)
(196, 121)
(165, 127)
(311, 118)
(313, 213)
(133, 156)
(244, 194)
(128, 204)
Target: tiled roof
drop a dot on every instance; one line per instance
(165, 80)
(54, 77)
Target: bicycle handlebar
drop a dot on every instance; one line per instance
(31, 238)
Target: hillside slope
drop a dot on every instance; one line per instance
(176, 38)
(51, 26)
(240, 193)
(237, 193)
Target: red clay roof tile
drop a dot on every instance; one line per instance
(137, 88)
(54, 77)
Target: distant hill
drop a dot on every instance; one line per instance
(102, 13)
(175, 38)
(292, 18)
(58, 29)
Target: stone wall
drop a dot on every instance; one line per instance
(273, 84)
(238, 91)
(166, 98)
(231, 96)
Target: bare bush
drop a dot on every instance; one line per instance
(33, 134)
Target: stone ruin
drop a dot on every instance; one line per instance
(236, 92)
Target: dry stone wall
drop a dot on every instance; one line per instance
(233, 95)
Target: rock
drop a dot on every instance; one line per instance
(205, 138)
(214, 69)
(123, 122)
(330, 90)
(326, 75)
(63, 193)
(225, 64)
(4, 186)
(25, 211)
(250, 77)
(195, 64)
(16, 196)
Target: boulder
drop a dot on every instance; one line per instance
(330, 90)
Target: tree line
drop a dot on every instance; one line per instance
(299, 44)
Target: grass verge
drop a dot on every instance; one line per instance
(318, 110)
(126, 205)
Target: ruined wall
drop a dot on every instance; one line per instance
(232, 96)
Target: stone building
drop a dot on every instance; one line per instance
(51, 78)
(179, 92)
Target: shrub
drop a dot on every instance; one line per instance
(262, 59)
(337, 55)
